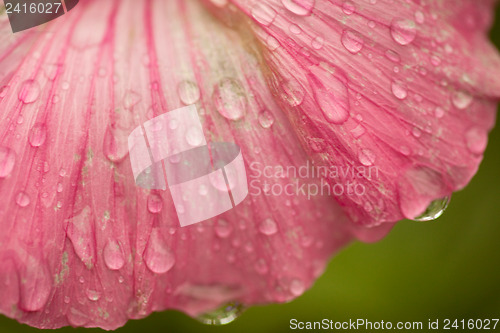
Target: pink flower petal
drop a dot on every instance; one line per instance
(82, 245)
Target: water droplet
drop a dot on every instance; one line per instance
(223, 315)
(434, 210)
(403, 31)
(113, 256)
(348, 8)
(115, 145)
(392, 56)
(23, 199)
(266, 119)
(317, 43)
(435, 60)
(272, 43)
(268, 227)
(299, 7)
(223, 229)
(297, 287)
(131, 99)
(333, 99)
(65, 85)
(188, 91)
(263, 13)
(3, 91)
(417, 132)
(93, 295)
(158, 256)
(80, 232)
(461, 99)
(399, 90)
(230, 99)
(366, 157)
(121, 279)
(67, 299)
(352, 41)
(419, 17)
(194, 136)
(293, 92)
(439, 112)
(38, 134)
(295, 29)
(29, 91)
(7, 161)
(155, 203)
(476, 140)
(261, 267)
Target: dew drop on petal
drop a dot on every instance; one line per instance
(299, 7)
(113, 256)
(366, 157)
(434, 210)
(158, 256)
(223, 315)
(439, 112)
(293, 92)
(189, 92)
(461, 99)
(38, 134)
(22, 199)
(403, 31)
(194, 136)
(333, 101)
(7, 161)
(476, 140)
(261, 267)
(93, 295)
(266, 119)
(272, 43)
(115, 145)
(155, 203)
(399, 90)
(295, 29)
(36, 286)
(352, 41)
(297, 287)
(268, 227)
(29, 91)
(348, 8)
(264, 14)
(230, 99)
(3, 91)
(131, 99)
(318, 42)
(223, 229)
(392, 56)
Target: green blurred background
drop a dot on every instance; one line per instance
(449, 268)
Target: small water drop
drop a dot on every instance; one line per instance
(266, 119)
(113, 256)
(392, 56)
(318, 42)
(93, 295)
(189, 92)
(403, 31)
(352, 41)
(155, 203)
(348, 8)
(462, 100)
(297, 287)
(158, 256)
(29, 91)
(23, 199)
(38, 134)
(261, 267)
(67, 299)
(419, 17)
(115, 145)
(223, 315)
(7, 161)
(366, 157)
(295, 29)
(476, 140)
(435, 61)
(293, 92)
(3, 91)
(194, 136)
(230, 99)
(434, 210)
(264, 14)
(399, 90)
(131, 99)
(332, 98)
(223, 229)
(268, 227)
(272, 43)
(439, 112)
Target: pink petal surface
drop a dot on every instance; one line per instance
(83, 246)
(407, 87)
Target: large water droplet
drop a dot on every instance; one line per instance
(264, 14)
(434, 210)
(268, 227)
(399, 90)
(80, 232)
(7, 161)
(366, 157)
(476, 139)
(158, 256)
(188, 91)
(403, 31)
(223, 315)
(352, 41)
(23, 199)
(266, 119)
(299, 7)
(38, 134)
(333, 99)
(230, 99)
(461, 99)
(113, 256)
(223, 229)
(29, 91)
(155, 203)
(293, 92)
